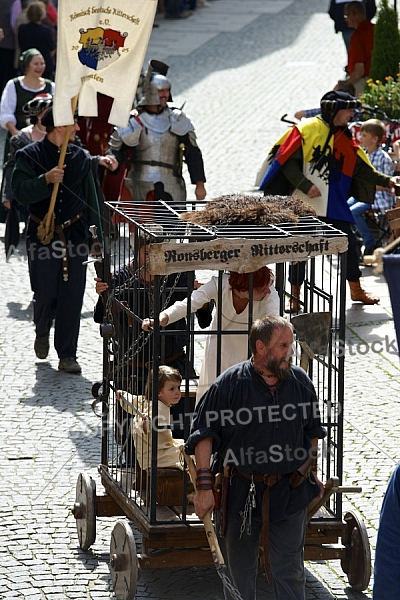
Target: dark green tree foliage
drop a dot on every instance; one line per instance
(386, 52)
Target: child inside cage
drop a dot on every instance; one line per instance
(133, 286)
(169, 394)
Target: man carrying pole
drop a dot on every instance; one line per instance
(55, 266)
(99, 49)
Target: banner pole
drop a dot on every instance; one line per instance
(63, 151)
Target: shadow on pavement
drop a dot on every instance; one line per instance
(17, 311)
(231, 50)
(63, 391)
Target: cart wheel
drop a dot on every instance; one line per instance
(123, 562)
(100, 389)
(84, 510)
(96, 387)
(357, 564)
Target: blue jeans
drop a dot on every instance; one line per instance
(357, 210)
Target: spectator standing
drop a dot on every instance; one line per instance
(51, 14)
(16, 9)
(336, 13)
(361, 45)
(35, 34)
(177, 9)
(20, 18)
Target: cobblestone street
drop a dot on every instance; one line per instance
(239, 65)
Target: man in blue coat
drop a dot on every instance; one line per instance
(387, 555)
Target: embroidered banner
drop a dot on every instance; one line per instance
(101, 47)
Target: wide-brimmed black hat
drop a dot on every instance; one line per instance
(37, 105)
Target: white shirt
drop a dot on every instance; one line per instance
(168, 448)
(8, 104)
(234, 347)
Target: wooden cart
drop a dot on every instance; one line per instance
(156, 500)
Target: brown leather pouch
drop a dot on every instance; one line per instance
(225, 483)
(217, 491)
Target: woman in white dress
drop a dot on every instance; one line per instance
(234, 317)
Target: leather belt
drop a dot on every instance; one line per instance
(155, 163)
(59, 229)
(263, 477)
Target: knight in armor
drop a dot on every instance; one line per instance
(157, 139)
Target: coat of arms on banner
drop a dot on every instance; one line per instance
(100, 47)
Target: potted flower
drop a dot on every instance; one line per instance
(383, 94)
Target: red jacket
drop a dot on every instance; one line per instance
(361, 45)
(51, 13)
